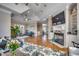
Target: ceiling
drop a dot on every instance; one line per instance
(19, 8)
(34, 11)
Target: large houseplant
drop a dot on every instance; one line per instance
(15, 31)
(13, 45)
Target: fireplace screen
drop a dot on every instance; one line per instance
(59, 38)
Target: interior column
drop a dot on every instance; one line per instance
(49, 27)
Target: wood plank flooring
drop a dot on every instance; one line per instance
(46, 43)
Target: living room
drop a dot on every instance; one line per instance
(40, 29)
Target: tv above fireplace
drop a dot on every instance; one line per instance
(59, 38)
(58, 19)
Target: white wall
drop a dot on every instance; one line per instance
(78, 21)
(5, 22)
(18, 19)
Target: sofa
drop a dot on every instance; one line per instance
(73, 51)
(3, 44)
(29, 33)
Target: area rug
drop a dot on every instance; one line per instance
(36, 50)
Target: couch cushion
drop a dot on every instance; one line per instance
(0, 40)
(3, 44)
(73, 51)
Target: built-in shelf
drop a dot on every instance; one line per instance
(73, 19)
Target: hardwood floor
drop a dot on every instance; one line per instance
(46, 43)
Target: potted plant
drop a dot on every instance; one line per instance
(15, 31)
(13, 45)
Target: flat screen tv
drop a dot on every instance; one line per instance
(59, 19)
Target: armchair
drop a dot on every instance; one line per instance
(3, 44)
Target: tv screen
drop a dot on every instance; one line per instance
(58, 19)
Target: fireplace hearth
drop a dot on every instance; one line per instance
(59, 38)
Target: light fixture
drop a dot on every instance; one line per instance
(12, 15)
(26, 19)
(45, 5)
(37, 4)
(16, 3)
(26, 4)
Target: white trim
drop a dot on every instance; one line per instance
(6, 11)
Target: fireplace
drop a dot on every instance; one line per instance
(59, 38)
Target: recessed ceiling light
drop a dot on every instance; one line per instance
(16, 3)
(12, 15)
(25, 14)
(37, 4)
(26, 4)
(45, 5)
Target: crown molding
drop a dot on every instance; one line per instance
(4, 10)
